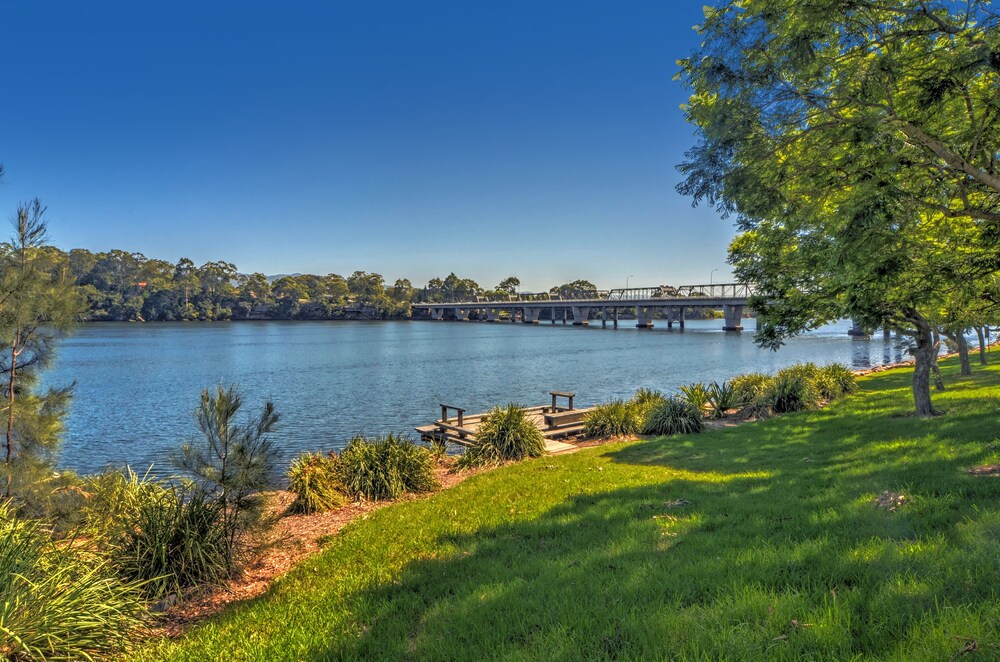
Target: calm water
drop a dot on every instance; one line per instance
(138, 384)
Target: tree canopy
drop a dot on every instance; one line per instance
(858, 146)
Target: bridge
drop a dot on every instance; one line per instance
(645, 303)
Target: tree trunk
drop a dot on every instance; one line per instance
(923, 359)
(10, 422)
(982, 345)
(936, 339)
(963, 352)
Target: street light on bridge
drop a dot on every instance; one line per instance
(711, 275)
(627, 279)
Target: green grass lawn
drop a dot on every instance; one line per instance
(779, 553)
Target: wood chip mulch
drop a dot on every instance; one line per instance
(985, 470)
(291, 539)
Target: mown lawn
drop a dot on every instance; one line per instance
(779, 552)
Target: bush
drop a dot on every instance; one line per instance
(697, 396)
(721, 398)
(57, 603)
(312, 477)
(674, 416)
(645, 400)
(842, 377)
(114, 499)
(175, 542)
(614, 419)
(505, 434)
(791, 390)
(385, 467)
(749, 388)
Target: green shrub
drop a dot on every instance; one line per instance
(674, 416)
(614, 419)
(505, 434)
(791, 390)
(843, 377)
(722, 398)
(645, 400)
(696, 395)
(749, 388)
(312, 477)
(59, 603)
(385, 467)
(175, 542)
(114, 499)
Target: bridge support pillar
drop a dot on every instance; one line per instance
(462, 314)
(857, 332)
(581, 315)
(530, 315)
(615, 313)
(675, 314)
(734, 318)
(644, 317)
(492, 314)
(552, 314)
(604, 318)
(437, 313)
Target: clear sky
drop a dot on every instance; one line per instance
(412, 138)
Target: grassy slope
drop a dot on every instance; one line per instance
(579, 556)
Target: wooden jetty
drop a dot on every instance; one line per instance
(555, 421)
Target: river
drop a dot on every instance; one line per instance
(137, 385)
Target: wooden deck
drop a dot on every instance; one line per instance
(553, 424)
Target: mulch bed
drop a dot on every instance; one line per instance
(985, 470)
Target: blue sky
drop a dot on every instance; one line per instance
(410, 138)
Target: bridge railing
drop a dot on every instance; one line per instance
(710, 291)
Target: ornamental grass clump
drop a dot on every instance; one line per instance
(114, 499)
(842, 377)
(697, 395)
(749, 388)
(791, 390)
(674, 416)
(721, 399)
(312, 478)
(385, 467)
(176, 541)
(505, 434)
(645, 400)
(613, 419)
(60, 603)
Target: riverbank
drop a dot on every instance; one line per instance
(849, 531)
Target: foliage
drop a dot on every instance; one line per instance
(749, 387)
(385, 467)
(791, 390)
(696, 395)
(175, 541)
(114, 500)
(645, 399)
(312, 477)
(844, 381)
(58, 603)
(613, 419)
(37, 307)
(856, 144)
(673, 416)
(234, 461)
(621, 551)
(721, 398)
(505, 434)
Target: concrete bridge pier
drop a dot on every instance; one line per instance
(552, 315)
(644, 317)
(604, 318)
(462, 314)
(492, 314)
(675, 314)
(437, 313)
(530, 315)
(615, 313)
(581, 315)
(734, 318)
(856, 331)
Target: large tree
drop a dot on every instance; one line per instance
(858, 145)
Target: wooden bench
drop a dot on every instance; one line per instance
(458, 410)
(564, 418)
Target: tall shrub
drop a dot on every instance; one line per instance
(385, 467)
(674, 416)
(613, 419)
(505, 434)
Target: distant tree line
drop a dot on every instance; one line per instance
(122, 286)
